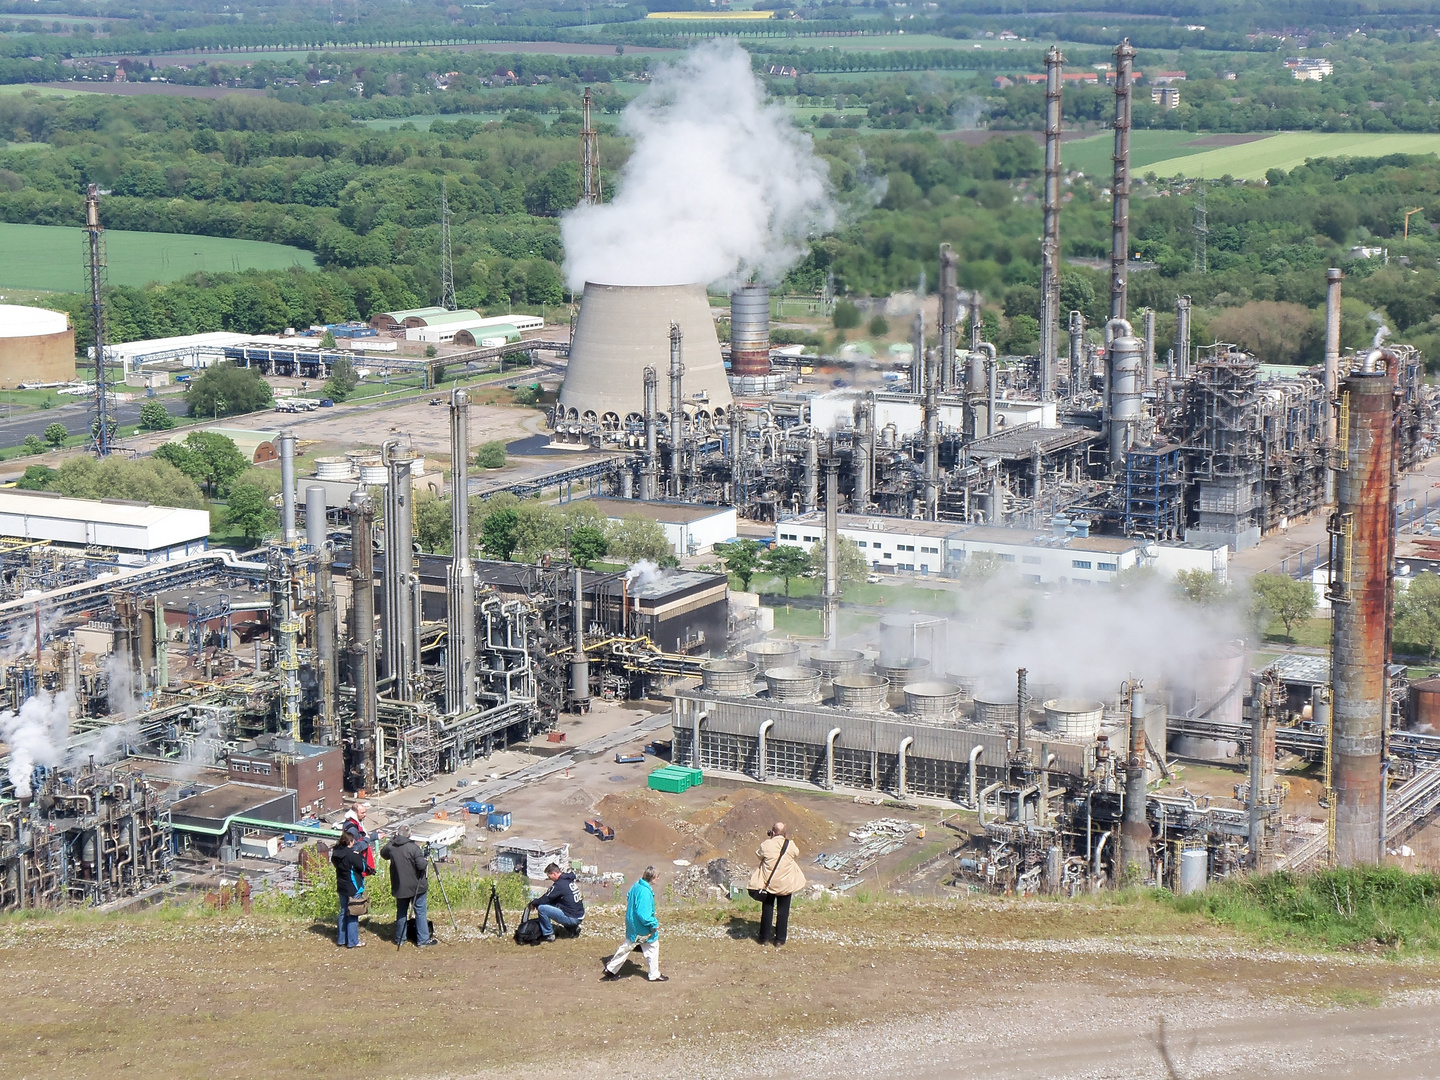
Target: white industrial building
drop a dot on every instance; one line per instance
(442, 330)
(835, 410)
(904, 545)
(691, 529)
(139, 532)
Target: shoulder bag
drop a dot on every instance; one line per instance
(359, 904)
(761, 894)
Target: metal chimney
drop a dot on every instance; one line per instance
(287, 487)
(579, 663)
(362, 642)
(1333, 278)
(1182, 337)
(1050, 240)
(832, 546)
(317, 526)
(949, 318)
(460, 579)
(649, 476)
(677, 412)
(1135, 834)
(1120, 186)
(917, 353)
(1362, 551)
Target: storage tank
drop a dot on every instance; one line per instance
(860, 691)
(333, 468)
(623, 329)
(932, 700)
(911, 633)
(728, 676)
(1425, 704)
(794, 685)
(832, 662)
(1074, 719)
(750, 330)
(768, 654)
(36, 345)
(1194, 870)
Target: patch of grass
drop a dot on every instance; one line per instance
(1250, 161)
(1368, 908)
(466, 890)
(1312, 632)
(28, 256)
(1092, 156)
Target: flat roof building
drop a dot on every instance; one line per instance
(139, 531)
(691, 529)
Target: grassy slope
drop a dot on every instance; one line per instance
(1250, 161)
(51, 257)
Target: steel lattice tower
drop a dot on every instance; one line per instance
(95, 264)
(591, 191)
(447, 265)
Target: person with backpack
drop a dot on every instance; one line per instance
(350, 874)
(409, 885)
(354, 824)
(776, 879)
(642, 928)
(562, 904)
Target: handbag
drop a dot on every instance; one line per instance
(761, 894)
(355, 906)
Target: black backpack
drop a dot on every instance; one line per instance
(528, 932)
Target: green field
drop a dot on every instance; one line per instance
(1092, 156)
(52, 258)
(1250, 161)
(423, 121)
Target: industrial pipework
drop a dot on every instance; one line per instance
(1120, 186)
(460, 577)
(1362, 551)
(1050, 240)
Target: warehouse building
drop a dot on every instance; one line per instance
(138, 531)
(691, 529)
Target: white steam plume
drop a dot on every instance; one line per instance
(642, 573)
(36, 735)
(721, 185)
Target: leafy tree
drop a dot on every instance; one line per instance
(430, 353)
(342, 381)
(33, 444)
(788, 563)
(327, 340)
(1200, 587)
(207, 457)
(1283, 597)
(879, 326)
(587, 543)
(1276, 332)
(491, 455)
(249, 509)
(539, 530)
(36, 478)
(432, 524)
(144, 480)
(1417, 613)
(741, 558)
(850, 563)
(634, 538)
(226, 390)
(56, 435)
(497, 533)
(528, 395)
(846, 316)
(155, 417)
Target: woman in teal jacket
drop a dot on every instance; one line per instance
(642, 928)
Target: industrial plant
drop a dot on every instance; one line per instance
(338, 641)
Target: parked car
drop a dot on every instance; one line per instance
(872, 579)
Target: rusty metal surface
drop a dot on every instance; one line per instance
(1366, 496)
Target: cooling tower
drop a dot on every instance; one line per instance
(622, 330)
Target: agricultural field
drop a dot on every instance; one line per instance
(1092, 156)
(1251, 160)
(52, 258)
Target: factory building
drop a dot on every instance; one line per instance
(691, 530)
(137, 532)
(37, 345)
(468, 327)
(316, 774)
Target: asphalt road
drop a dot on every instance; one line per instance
(75, 416)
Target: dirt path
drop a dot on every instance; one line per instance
(1024, 989)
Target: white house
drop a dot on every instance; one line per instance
(690, 528)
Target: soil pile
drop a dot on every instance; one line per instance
(647, 822)
(736, 824)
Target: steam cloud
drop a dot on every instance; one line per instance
(1078, 643)
(642, 573)
(721, 185)
(36, 735)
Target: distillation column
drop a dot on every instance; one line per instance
(917, 353)
(400, 634)
(932, 440)
(1077, 355)
(287, 487)
(1182, 338)
(649, 475)
(949, 319)
(460, 580)
(1120, 185)
(1124, 362)
(1362, 552)
(579, 662)
(832, 546)
(361, 766)
(677, 413)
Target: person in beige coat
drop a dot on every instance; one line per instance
(776, 879)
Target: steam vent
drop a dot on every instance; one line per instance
(622, 330)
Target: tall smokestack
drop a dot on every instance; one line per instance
(1333, 278)
(677, 412)
(362, 642)
(949, 318)
(832, 546)
(750, 330)
(1362, 550)
(460, 580)
(932, 440)
(1050, 242)
(316, 525)
(1182, 337)
(917, 353)
(287, 487)
(860, 459)
(1078, 373)
(1135, 829)
(1120, 186)
(326, 645)
(649, 476)
(1262, 768)
(812, 474)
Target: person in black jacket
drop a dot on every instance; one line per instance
(562, 904)
(408, 884)
(350, 874)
